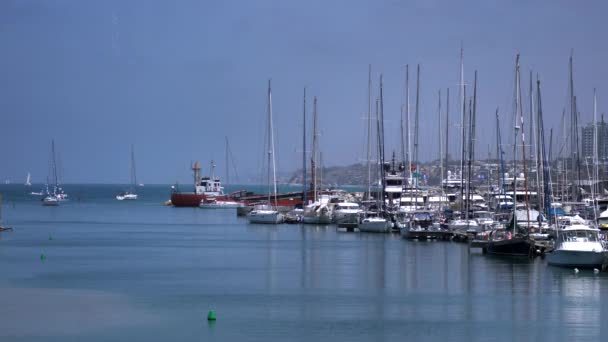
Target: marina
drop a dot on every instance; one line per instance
(306, 171)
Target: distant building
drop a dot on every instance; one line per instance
(602, 140)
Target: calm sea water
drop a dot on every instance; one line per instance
(95, 269)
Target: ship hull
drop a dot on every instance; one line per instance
(186, 199)
(518, 246)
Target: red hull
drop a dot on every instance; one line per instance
(186, 199)
(190, 199)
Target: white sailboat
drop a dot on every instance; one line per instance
(267, 213)
(319, 211)
(130, 194)
(28, 180)
(52, 198)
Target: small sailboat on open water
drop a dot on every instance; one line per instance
(130, 193)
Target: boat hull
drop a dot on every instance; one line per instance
(273, 217)
(316, 219)
(50, 202)
(580, 259)
(517, 246)
(186, 199)
(220, 205)
(375, 226)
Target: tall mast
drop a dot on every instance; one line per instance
(595, 151)
(515, 143)
(313, 157)
(462, 117)
(463, 134)
(474, 119)
(271, 159)
(304, 150)
(523, 140)
(545, 159)
(534, 142)
(227, 165)
(54, 165)
(407, 121)
(416, 127)
(380, 189)
(133, 172)
(381, 113)
(369, 131)
(447, 131)
(439, 159)
(469, 161)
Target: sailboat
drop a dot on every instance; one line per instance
(52, 198)
(515, 240)
(130, 194)
(267, 213)
(375, 221)
(28, 180)
(319, 211)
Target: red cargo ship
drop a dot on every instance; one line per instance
(212, 187)
(203, 187)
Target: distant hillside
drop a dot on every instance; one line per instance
(336, 175)
(356, 174)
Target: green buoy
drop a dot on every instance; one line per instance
(42, 257)
(211, 315)
(50, 237)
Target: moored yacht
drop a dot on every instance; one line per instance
(264, 213)
(346, 212)
(578, 246)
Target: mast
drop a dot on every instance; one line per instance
(447, 131)
(369, 132)
(523, 140)
(462, 117)
(54, 167)
(381, 138)
(469, 162)
(227, 165)
(595, 156)
(304, 151)
(538, 157)
(407, 116)
(545, 165)
(463, 135)
(133, 172)
(271, 148)
(380, 189)
(440, 143)
(473, 118)
(416, 128)
(573, 150)
(313, 157)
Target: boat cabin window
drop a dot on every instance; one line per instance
(393, 182)
(581, 236)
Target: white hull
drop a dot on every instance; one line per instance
(346, 217)
(50, 201)
(375, 225)
(460, 225)
(582, 259)
(316, 219)
(126, 197)
(265, 216)
(220, 205)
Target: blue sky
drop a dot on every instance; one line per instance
(175, 78)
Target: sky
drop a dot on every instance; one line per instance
(178, 78)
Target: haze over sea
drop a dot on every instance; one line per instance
(140, 271)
